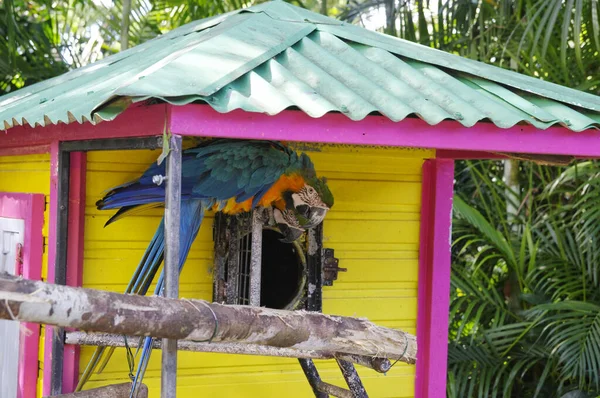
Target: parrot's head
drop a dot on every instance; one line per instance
(304, 209)
(289, 223)
(312, 202)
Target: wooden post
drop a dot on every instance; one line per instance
(198, 320)
(256, 259)
(60, 265)
(168, 380)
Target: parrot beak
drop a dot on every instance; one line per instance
(316, 215)
(290, 232)
(313, 213)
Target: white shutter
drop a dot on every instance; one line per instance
(11, 234)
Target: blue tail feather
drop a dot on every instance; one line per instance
(151, 260)
(192, 214)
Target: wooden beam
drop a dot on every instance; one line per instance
(198, 320)
(114, 340)
(381, 365)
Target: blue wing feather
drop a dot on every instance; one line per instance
(220, 171)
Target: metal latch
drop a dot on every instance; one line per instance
(330, 267)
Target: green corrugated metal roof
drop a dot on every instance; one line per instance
(275, 56)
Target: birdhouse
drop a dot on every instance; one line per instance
(367, 288)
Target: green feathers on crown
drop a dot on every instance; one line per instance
(320, 185)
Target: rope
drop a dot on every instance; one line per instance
(402, 355)
(130, 359)
(12, 316)
(216, 329)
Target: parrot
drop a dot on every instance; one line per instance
(221, 175)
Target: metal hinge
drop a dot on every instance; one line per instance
(19, 259)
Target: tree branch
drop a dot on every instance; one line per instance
(198, 320)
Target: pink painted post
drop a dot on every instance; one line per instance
(76, 217)
(53, 210)
(30, 208)
(76, 223)
(434, 278)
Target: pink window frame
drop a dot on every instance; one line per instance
(30, 208)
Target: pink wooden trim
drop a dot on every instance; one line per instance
(434, 278)
(25, 150)
(30, 208)
(201, 120)
(135, 121)
(75, 256)
(53, 210)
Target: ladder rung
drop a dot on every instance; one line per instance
(333, 390)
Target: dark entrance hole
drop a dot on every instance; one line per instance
(282, 274)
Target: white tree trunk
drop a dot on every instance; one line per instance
(511, 178)
(198, 320)
(125, 24)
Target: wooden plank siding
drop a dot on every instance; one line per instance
(373, 227)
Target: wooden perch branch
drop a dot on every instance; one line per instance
(381, 365)
(113, 391)
(198, 320)
(115, 340)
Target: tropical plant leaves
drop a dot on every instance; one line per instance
(548, 344)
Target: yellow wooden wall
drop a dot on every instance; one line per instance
(29, 174)
(373, 227)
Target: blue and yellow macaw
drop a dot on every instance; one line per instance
(223, 175)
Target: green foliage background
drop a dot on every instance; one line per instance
(525, 308)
